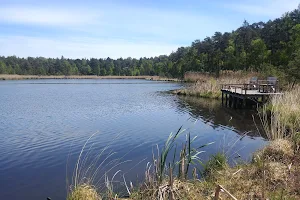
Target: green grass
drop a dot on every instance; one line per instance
(216, 162)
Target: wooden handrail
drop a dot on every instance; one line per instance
(267, 84)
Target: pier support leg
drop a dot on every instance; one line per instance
(244, 103)
(240, 103)
(230, 101)
(222, 99)
(226, 100)
(234, 102)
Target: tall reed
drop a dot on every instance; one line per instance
(91, 173)
(281, 118)
(162, 181)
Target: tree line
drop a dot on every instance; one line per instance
(271, 47)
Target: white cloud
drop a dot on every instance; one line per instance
(102, 30)
(269, 8)
(116, 21)
(44, 15)
(80, 47)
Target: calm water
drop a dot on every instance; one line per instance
(45, 123)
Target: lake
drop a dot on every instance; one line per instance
(44, 124)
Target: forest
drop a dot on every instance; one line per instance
(272, 47)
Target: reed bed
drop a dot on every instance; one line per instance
(272, 174)
(167, 178)
(208, 86)
(201, 76)
(281, 117)
(94, 177)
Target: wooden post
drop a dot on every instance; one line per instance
(226, 100)
(234, 102)
(240, 103)
(222, 98)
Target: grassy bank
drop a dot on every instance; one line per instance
(208, 86)
(272, 174)
(23, 77)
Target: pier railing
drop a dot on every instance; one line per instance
(249, 94)
(262, 86)
(238, 88)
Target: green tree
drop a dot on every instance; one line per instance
(230, 58)
(294, 68)
(258, 54)
(95, 66)
(66, 68)
(2, 67)
(103, 72)
(74, 69)
(10, 70)
(17, 69)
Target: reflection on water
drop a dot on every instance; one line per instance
(45, 123)
(211, 111)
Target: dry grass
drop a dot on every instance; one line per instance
(181, 189)
(277, 150)
(199, 76)
(281, 118)
(208, 86)
(272, 174)
(84, 192)
(21, 77)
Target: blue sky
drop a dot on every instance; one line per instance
(115, 28)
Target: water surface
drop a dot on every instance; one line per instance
(45, 123)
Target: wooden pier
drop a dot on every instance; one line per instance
(248, 95)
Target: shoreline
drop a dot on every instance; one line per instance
(204, 95)
(29, 77)
(273, 169)
(208, 86)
